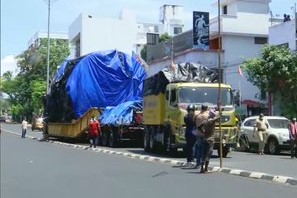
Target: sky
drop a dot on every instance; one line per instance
(20, 19)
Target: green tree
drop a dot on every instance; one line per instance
(276, 72)
(164, 37)
(25, 91)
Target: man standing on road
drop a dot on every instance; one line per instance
(24, 127)
(200, 142)
(94, 132)
(209, 128)
(190, 138)
(293, 137)
(261, 129)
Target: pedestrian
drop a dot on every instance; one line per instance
(293, 137)
(190, 137)
(24, 127)
(94, 132)
(209, 130)
(200, 137)
(261, 130)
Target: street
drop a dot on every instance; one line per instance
(40, 169)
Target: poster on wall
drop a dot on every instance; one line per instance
(201, 30)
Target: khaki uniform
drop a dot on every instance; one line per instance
(261, 128)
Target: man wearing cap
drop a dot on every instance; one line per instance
(261, 129)
(293, 137)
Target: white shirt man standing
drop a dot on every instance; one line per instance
(24, 127)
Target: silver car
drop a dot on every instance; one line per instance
(277, 137)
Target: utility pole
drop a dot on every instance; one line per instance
(220, 81)
(48, 46)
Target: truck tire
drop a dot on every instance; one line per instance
(168, 141)
(152, 142)
(112, 140)
(225, 151)
(104, 139)
(146, 139)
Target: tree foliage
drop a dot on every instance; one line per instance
(164, 37)
(276, 72)
(25, 91)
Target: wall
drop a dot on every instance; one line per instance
(283, 33)
(98, 34)
(237, 49)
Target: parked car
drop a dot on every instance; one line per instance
(277, 137)
(38, 123)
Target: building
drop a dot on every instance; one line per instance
(35, 40)
(284, 34)
(244, 31)
(88, 34)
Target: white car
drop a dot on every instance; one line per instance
(277, 137)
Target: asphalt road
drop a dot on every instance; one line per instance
(31, 168)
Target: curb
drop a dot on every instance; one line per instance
(237, 172)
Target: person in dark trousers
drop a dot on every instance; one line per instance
(200, 137)
(190, 138)
(209, 128)
(94, 132)
(293, 137)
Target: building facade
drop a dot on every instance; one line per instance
(34, 42)
(244, 31)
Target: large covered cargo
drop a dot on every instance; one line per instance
(98, 80)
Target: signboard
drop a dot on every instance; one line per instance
(201, 30)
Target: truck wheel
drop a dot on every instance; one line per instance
(112, 140)
(146, 140)
(168, 141)
(225, 151)
(152, 143)
(273, 147)
(104, 139)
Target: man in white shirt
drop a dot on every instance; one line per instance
(24, 127)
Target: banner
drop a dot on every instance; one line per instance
(201, 30)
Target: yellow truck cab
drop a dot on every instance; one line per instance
(164, 111)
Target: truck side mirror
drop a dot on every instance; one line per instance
(236, 98)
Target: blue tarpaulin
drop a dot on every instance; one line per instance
(100, 79)
(122, 114)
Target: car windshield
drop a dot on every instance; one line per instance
(278, 123)
(195, 95)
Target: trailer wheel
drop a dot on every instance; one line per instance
(146, 139)
(104, 139)
(112, 139)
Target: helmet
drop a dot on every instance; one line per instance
(191, 107)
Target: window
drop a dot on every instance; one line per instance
(225, 10)
(261, 40)
(250, 123)
(177, 30)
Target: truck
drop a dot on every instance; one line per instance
(166, 97)
(107, 85)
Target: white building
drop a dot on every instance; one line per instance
(284, 34)
(35, 40)
(88, 34)
(244, 31)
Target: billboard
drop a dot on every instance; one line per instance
(201, 30)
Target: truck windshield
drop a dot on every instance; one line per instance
(204, 95)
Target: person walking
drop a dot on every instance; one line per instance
(94, 132)
(24, 127)
(200, 137)
(261, 130)
(209, 128)
(190, 137)
(293, 137)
